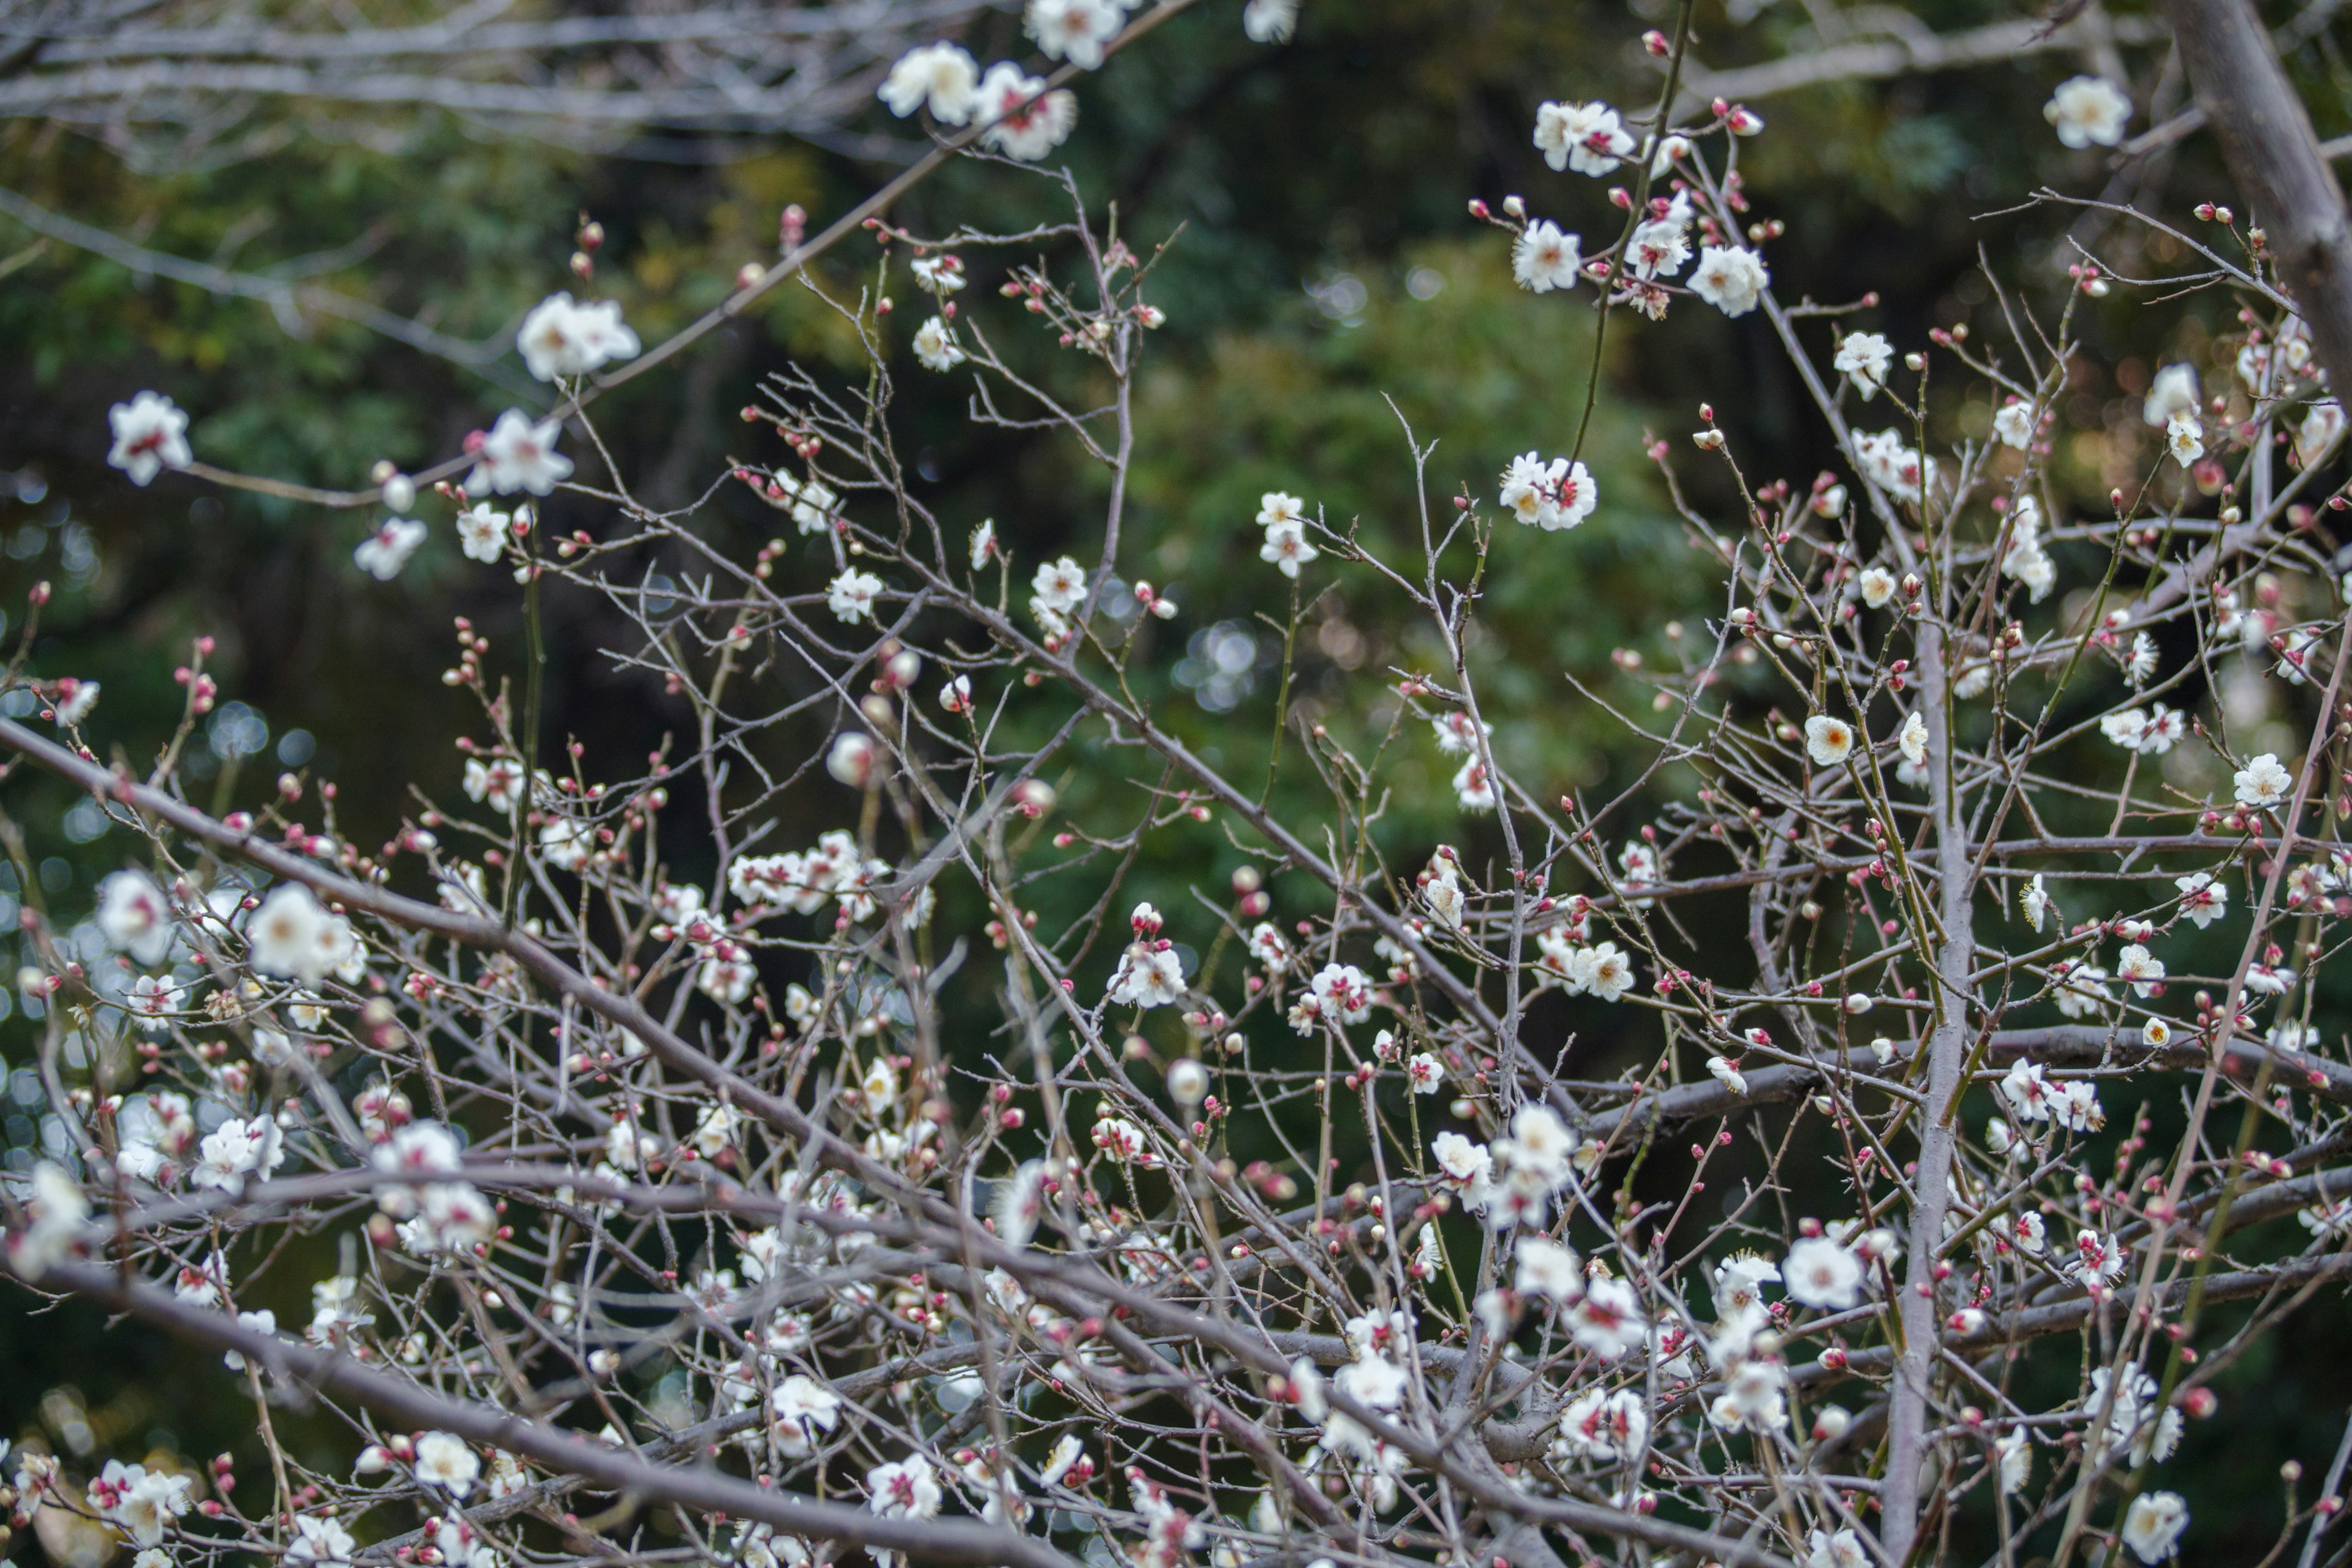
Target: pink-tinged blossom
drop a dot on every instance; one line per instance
(1586, 137)
(1023, 124)
(151, 434)
(517, 454)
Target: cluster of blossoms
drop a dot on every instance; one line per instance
(890, 1196)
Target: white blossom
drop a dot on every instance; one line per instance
(1545, 257)
(939, 75)
(2087, 110)
(151, 434)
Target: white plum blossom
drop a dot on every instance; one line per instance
(1659, 248)
(1829, 741)
(444, 1461)
(2184, 439)
(134, 916)
(1546, 1268)
(1607, 1319)
(1545, 257)
(1474, 786)
(1151, 974)
(2203, 900)
(518, 454)
(1270, 21)
(2087, 110)
(802, 1407)
(1285, 547)
(1863, 359)
(1586, 137)
(935, 346)
(2318, 432)
(1838, 1549)
(1912, 739)
(382, 553)
(151, 434)
(1022, 123)
(939, 75)
(561, 338)
(850, 596)
(1731, 277)
(321, 1540)
(2015, 425)
(2173, 392)
(1551, 496)
(2153, 1528)
(2143, 970)
(482, 531)
(1598, 1425)
(1075, 30)
(289, 935)
(61, 1222)
(2263, 783)
(2033, 903)
(1823, 1274)
(905, 1489)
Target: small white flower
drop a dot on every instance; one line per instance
(1546, 1268)
(561, 338)
(1075, 30)
(1426, 1073)
(1911, 740)
(1545, 257)
(2143, 969)
(382, 553)
(1586, 137)
(2087, 110)
(941, 75)
(1021, 123)
(1270, 21)
(287, 934)
(1287, 549)
(2321, 427)
(2015, 425)
(2033, 903)
(2184, 439)
(1731, 279)
(2172, 393)
(445, 1461)
(519, 455)
(1864, 358)
(2263, 783)
(2202, 898)
(903, 1489)
(850, 596)
(1658, 248)
(1828, 740)
(1877, 585)
(151, 434)
(1608, 1319)
(482, 531)
(1822, 1274)
(935, 346)
(2153, 1527)
(134, 917)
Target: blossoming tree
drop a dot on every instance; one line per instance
(1975, 935)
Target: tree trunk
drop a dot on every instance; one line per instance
(2267, 142)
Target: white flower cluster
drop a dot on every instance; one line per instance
(1020, 118)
